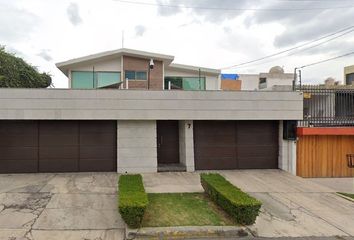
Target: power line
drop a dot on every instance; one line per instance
(235, 9)
(345, 30)
(326, 60)
(321, 43)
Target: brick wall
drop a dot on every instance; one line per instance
(231, 85)
(140, 64)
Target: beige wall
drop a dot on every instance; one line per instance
(287, 153)
(250, 82)
(347, 70)
(149, 105)
(136, 146)
(186, 145)
(275, 79)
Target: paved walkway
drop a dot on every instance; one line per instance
(337, 184)
(292, 206)
(59, 206)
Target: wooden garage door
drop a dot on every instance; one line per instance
(235, 145)
(18, 146)
(57, 146)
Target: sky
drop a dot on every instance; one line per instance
(207, 33)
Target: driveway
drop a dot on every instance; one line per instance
(292, 206)
(60, 206)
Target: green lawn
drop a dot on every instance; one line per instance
(351, 195)
(183, 209)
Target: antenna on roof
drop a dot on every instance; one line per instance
(122, 38)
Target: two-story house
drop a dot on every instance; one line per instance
(134, 111)
(132, 69)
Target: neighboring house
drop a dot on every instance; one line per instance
(265, 81)
(325, 136)
(230, 82)
(122, 115)
(349, 75)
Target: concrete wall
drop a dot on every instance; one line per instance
(250, 82)
(348, 70)
(287, 153)
(212, 82)
(276, 79)
(149, 105)
(186, 145)
(136, 146)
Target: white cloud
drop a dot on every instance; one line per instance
(40, 30)
(44, 53)
(140, 30)
(73, 14)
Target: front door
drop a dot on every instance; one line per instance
(167, 142)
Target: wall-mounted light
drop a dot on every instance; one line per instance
(151, 64)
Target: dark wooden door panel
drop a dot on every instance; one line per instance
(57, 146)
(59, 165)
(167, 142)
(18, 146)
(257, 144)
(98, 165)
(215, 145)
(235, 144)
(98, 146)
(18, 166)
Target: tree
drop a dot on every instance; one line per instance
(16, 73)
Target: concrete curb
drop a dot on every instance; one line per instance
(186, 232)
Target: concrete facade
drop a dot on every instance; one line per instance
(136, 146)
(110, 104)
(186, 145)
(287, 153)
(136, 113)
(349, 75)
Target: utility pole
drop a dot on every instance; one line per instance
(294, 81)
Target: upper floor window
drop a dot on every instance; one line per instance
(349, 79)
(136, 75)
(262, 80)
(91, 80)
(185, 83)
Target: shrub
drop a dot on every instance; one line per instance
(16, 73)
(132, 200)
(239, 205)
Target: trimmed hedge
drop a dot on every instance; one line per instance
(132, 199)
(239, 205)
